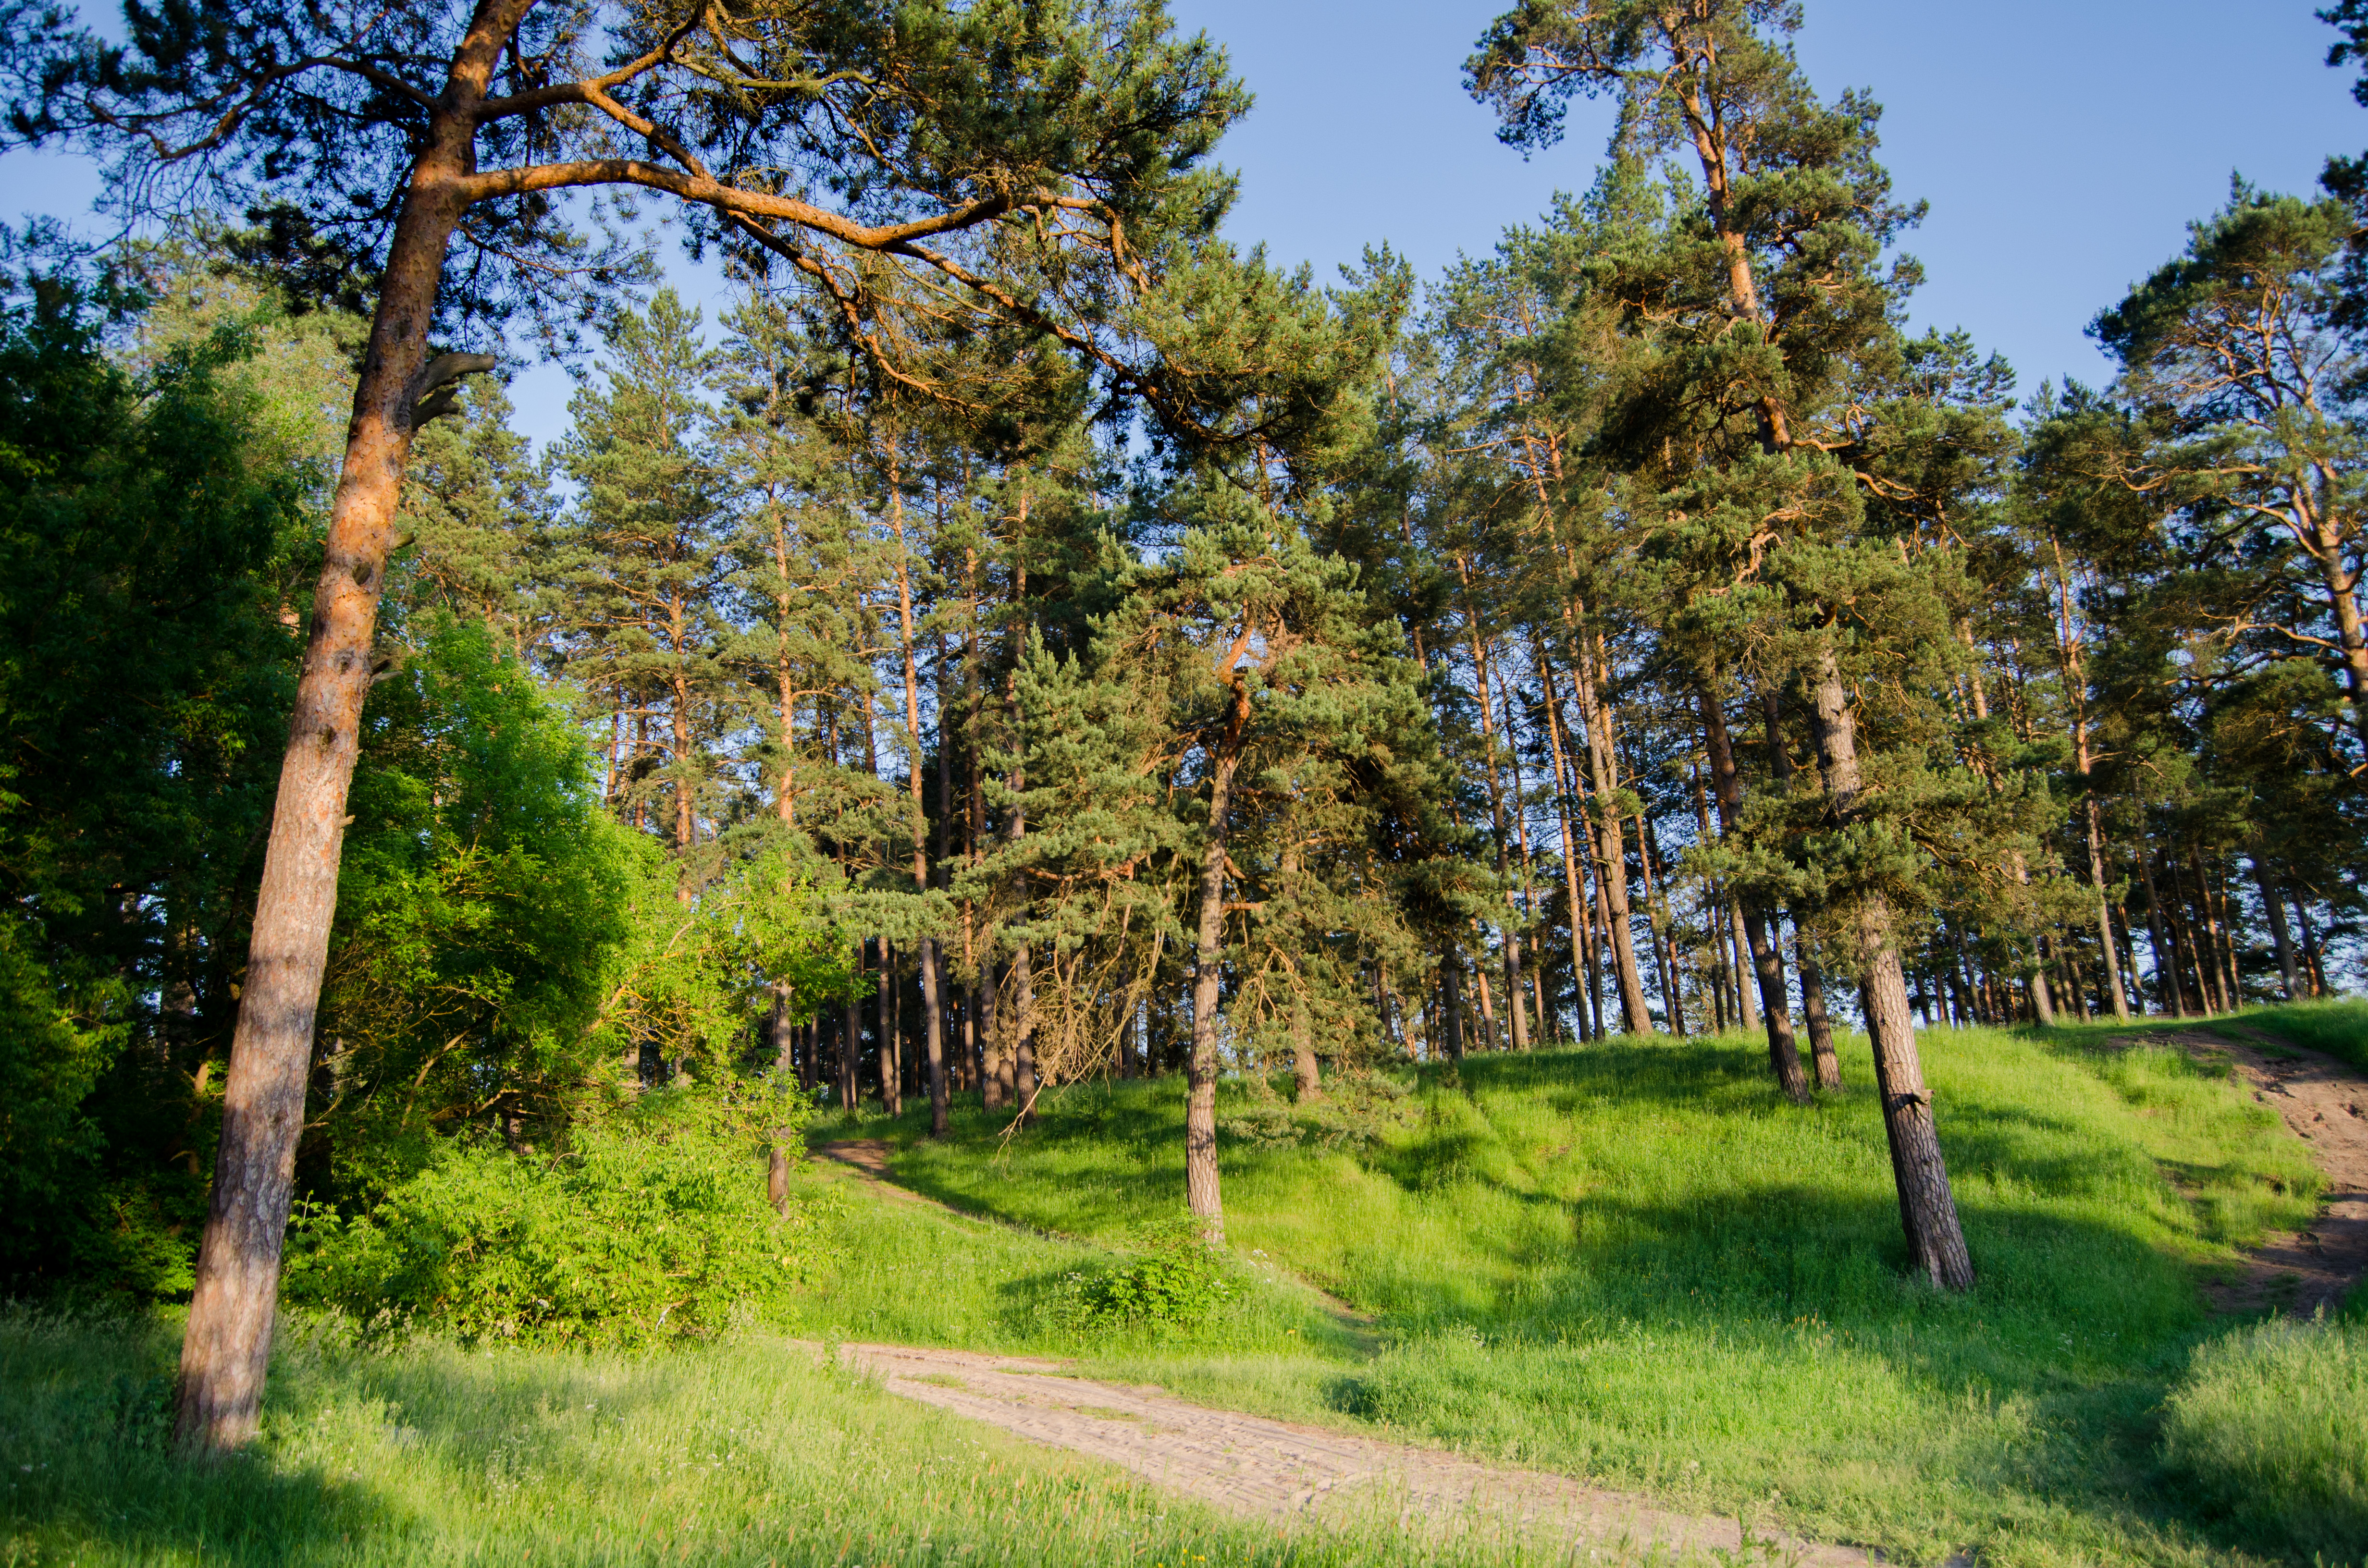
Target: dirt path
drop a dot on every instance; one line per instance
(2325, 1104)
(1278, 1469)
(868, 1158)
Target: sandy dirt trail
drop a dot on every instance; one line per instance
(1278, 1469)
(2325, 1104)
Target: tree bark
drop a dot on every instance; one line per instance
(777, 1175)
(1201, 1189)
(2166, 972)
(1928, 1209)
(1767, 963)
(2310, 949)
(891, 1083)
(1611, 850)
(233, 1308)
(1307, 1081)
(1450, 986)
(933, 1022)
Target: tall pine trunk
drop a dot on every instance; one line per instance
(1928, 1209)
(1767, 963)
(1611, 859)
(1201, 1190)
(234, 1302)
(926, 956)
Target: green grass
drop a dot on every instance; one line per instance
(1630, 1263)
(2337, 1026)
(747, 1453)
(1635, 1263)
(2274, 1425)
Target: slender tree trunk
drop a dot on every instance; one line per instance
(1612, 861)
(927, 955)
(850, 1043)
(1665, 951)
(233, 1306)
(1024, 1082)
(1928, 1209)
(1825, 1064)
(777, 1176)
(891, 1081)
(1767, 963)
(2310, 949)
(1201, 1190)
(2094, 818)
(992, 1023)
(2166, 972)
(2275, 909)
(1451, 985)
(1307, 1085)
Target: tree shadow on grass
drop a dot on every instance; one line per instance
(85, 1444)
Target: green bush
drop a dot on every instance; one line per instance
(648, 1227)
(1175, 1281)
(2271, 1424)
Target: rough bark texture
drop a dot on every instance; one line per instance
(2273, 905)
(236, 1301)
(1202, 1191)
(1928, 1209)
(1611, 858)
(1308, 1083)
(1766, 965)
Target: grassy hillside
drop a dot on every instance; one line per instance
(748, 1453)
(1635, 1263)
(2337, 1026)
(1631, 1263)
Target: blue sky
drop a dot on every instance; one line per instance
(2063, 147)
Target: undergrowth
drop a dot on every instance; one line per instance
(1636, 1264)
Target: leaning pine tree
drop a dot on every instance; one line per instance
(995, 146)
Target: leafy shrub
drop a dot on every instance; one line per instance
(1175, 1279)
(2271, 1424)
(652, 1225)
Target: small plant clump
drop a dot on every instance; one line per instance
(1175, 1279)
(646, 1227)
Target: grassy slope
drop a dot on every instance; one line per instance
(747, 1453)
(2338, 1027)
(1634, 1263)
(1630, 1263)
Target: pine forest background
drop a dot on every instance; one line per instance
(802, 706)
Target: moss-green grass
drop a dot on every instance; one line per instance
(1630, 1263)
(1635, 1263)
(2337, 1026)
(750, 1452)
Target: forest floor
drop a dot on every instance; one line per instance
(2324, 1102)
(1631, 1267)
(1290, 1472)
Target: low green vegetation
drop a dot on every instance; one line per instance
(2337, 1026)
(1635, 1263)
(753, 1452)
(2273, 1424)
(1630, 1263)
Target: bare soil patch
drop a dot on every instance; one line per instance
(2324, 1102)
(868, 1158)
(1280, 1471)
